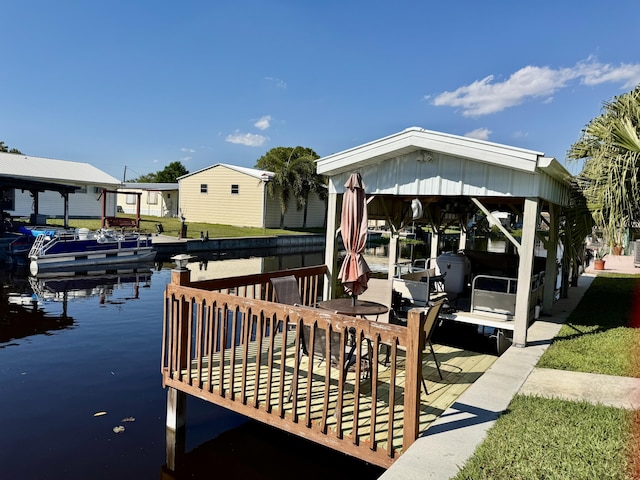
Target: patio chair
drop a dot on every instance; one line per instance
(380, 290)
(286, 291)
(429, 327)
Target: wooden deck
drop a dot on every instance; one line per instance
(459, 369)
(261, 374)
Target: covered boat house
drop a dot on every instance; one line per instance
(447, 178)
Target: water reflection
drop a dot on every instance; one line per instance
(86, 343)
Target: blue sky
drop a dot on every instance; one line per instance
(142, 84)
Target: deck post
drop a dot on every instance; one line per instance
(181, 276)
(415, 334)
(176, 423)
(525, 270)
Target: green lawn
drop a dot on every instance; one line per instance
(172, 227)
(598, 336)
(554, 439)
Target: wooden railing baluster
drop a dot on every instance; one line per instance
(210, 336)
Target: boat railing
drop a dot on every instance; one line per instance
(246, 354)
(496, 295)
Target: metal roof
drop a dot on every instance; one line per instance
(419, 162)
(52, 170)
(149, 186)
(253, 172)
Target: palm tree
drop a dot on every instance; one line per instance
(610, 178)
(294, 177)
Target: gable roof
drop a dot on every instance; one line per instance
(149, 186)
(53, 171)
(419, 139)
(419, 162)
(253, 172)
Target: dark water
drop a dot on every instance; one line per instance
(66, 357)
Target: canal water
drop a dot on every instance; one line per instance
(81, 394)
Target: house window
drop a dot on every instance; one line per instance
(152, 198)
(82, 189)
(235, 189)
(131, 199)
(203, 188)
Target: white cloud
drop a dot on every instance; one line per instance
(520, 134)
(187, 150)
(277, 82)
(486, 96)
(263, 123)
(479, 134)
(248, 139)
(186, 159)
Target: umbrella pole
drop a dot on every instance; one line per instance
(353, 300)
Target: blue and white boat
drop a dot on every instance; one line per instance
(84, 249)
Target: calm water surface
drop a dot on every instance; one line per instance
(66, 357)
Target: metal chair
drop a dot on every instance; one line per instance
(429, 327)
(286, 291)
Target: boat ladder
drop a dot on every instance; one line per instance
(36, 248)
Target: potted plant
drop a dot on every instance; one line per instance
(598, 263)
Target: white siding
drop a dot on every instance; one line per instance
(451, 176)
(51, 204)
(166, 205)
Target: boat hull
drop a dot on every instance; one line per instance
(88, 253)
(63, 262)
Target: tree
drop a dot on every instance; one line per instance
(295, 176)
(169, 174)
(610, 178)
(5, 149)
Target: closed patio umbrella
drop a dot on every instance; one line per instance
(354, 273)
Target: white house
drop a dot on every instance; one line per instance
(39, 185)
(233, 195)
(156, 199)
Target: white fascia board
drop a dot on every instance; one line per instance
(554, 169)
(419, 139)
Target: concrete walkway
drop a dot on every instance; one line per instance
(452, 439)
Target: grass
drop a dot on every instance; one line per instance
(599, 335)
(541, 438)
(172, 227)
(538, 438)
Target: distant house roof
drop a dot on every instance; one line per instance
(53, 171)
(150, 186)
(253, 172)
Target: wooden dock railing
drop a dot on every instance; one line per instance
(246, 353)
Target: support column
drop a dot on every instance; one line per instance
(65, 197)
(462, 244)
(552, 257)
(176, 422)
(435, 240)
(331, 249)
(525, 269)
(393, 252)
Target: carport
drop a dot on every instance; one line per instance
(451, 177)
